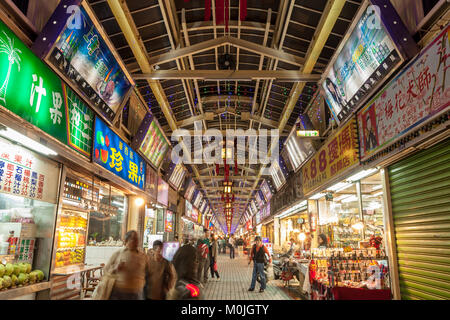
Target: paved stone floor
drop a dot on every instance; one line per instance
(235, 279)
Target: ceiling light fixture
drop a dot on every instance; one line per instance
(19, 138)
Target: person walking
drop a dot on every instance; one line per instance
(257, 256)
(162, 276)
(232, 242)
(130, 265)
(213, 258)
(203, 256)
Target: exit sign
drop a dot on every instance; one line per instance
(307, 133)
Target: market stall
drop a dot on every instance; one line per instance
(28, 204)
(350, 249)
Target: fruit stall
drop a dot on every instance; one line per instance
(28, 206)
(78, 198)
(91, 209)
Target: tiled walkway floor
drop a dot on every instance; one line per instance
(235, 279)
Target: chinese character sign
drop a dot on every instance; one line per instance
(29, 88)
(33, 91)
(80, 123)
(367, 57)
(83, 56)
(112, 153)
(337, 155)
(26, 174)
(416, 94)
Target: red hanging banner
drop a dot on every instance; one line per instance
(243, 10)
(219, 11)
(227, 14)
(207, 10)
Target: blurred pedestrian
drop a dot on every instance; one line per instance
(213, 258)
(203, 255)
(257, 255)
(130, 265)
(162, 275)
(232, 243)
(186, 264)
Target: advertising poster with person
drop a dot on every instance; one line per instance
(367, 57)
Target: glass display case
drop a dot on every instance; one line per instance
(350, 214)
(78, 198)
(29, 184)
(351, 257)
(26, 230)
(107, 222)
(71, 238)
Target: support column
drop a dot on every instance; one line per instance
(135, 219)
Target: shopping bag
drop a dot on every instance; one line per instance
(104, 288)
(215, 266)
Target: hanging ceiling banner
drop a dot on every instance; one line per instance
(151, 141)
(417, 93)
(31, 90)
(151, 183)
(190, 190)
(75, 45)
(339, 153)
(368, 55)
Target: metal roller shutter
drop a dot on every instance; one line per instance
(420, 196)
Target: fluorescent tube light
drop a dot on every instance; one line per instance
(317, 196)
(350, 199)
(377, 188)
(17, 137)
(342, 197)
(362, 174)
(340, 186)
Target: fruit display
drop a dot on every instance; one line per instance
(71, 239)
(18, 274)
(69, 257)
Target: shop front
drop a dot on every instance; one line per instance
(97, 209)
(151, 189)
(32, 177)
(192, 228)
(171, 216)
(293, 225)
(411, 144)
(284, 208)
(347, 218)
(29, 188)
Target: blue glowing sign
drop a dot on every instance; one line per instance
(112, 153)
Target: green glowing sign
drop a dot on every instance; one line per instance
(34, 92)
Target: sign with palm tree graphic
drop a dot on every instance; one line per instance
(34, 92)
(7, 47)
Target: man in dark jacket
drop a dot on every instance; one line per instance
(257, 256)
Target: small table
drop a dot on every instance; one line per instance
(81, 269)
